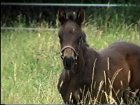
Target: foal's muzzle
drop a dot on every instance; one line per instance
(69, 57)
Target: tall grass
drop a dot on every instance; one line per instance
(30, 67)
(31, 62)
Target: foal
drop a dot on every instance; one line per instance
(89, 76)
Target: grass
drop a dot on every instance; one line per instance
(31, 62)
(30, 66)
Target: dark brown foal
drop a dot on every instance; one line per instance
(89, 76)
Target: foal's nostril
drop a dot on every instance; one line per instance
(68, 62)
(69, 57)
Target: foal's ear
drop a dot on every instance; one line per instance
(61, 16)
(80, 16)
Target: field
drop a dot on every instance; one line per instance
(31, 63)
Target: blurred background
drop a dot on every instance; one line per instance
(37, 14)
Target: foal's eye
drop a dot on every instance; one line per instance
(79, 39)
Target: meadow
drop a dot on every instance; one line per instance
(31, 62)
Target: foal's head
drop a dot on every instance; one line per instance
(71, 36)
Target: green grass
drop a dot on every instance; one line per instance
(31, 62)
(30, 67)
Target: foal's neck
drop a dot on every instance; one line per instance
(87, 56)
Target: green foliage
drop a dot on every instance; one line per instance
(30, 14)
(74, 1)
(30, 66)
(110, 16)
